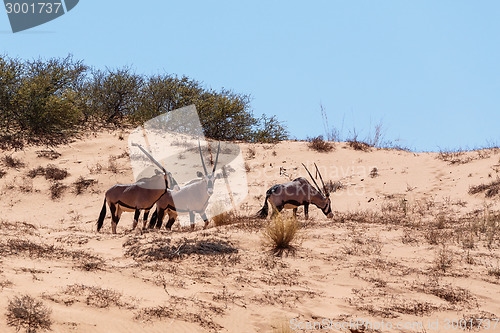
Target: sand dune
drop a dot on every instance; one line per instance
(407, 244)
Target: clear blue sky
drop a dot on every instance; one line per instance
(429, 70)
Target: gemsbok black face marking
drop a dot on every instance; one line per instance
(190, 199)
(141, 195)
(296, 193)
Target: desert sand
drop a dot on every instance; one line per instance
(408, 244)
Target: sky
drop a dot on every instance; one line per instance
(428, 71)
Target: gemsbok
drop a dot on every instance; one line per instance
(296, 193)
(141, 195)
(191, 198)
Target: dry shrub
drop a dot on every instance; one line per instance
(96, 296)
(12, 162)
(225, 218)
(81, 184)
(112, 165)
(26, 312)
(50, 172)
(160, 248)
(454, 157)
(358, 145)
(24, 228)
(444, 259)
(490, 189)
(2, 173)
(318, 144)
(374, 173)
(49, 154)
(56, 190)
(281, 234)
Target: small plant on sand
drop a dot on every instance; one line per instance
(491, 189)
(56, 190)
(281, 234)
(444, 259)
(12, 162)
(318, 144)
(26, 312)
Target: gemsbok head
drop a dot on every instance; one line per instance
(296, 193)
(190, 199)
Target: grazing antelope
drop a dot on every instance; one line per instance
(141, 195)
(191, 198)
(296, 193)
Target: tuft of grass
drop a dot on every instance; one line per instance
(56, 190)
(51, 172)
(320, 145)
(81, 184)
(374, 173)
(225, 218)
(28, 313)
(358, 145)
(12, 162)
(443, 260)
(491, 189)
(281, 234)
(49, 154)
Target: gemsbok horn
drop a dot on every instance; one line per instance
(191, 198)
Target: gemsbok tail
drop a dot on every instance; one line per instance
(101, 216)
(262, 213)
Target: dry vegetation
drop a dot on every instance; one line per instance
(28, 313)
(320, 145)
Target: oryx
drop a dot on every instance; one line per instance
(296, 193)
(141, 195)
(191, 198)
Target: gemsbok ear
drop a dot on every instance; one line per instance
(199, 174)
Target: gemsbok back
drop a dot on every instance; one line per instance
(296, 193)
(141, 195)
(191, 198)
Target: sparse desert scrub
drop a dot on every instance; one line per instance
(48, 154)
(443, 260)
(281, 234)
(81, 184)
(186, 309)
(51, 172)
(358, 145)
(12, 162)
(318, 144)
(56, 190)
(160, 247)
(28, 313)
(492, 189)
(13, 228)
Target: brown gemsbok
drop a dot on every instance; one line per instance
(141, 195)
(296, 193)
(191, 198)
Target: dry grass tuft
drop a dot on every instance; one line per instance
(160, 248)
(358, 145)
(50, 172)
(56, 190)
(12, 162)
(81, 184)
(26, 312)
(225, 218)
(320, 145)
(281, 234)
(490, 189)
(444, 259)
(96, 296)
(49, 154)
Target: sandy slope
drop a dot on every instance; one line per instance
(375, 260)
